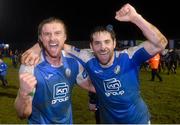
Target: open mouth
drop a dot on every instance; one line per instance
(103, 53)
(53, 47)
(53, 44)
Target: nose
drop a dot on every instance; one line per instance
(52, 36)
(103, 46)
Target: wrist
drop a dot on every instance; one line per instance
(26, 94)
(136, 18)
(31, 94)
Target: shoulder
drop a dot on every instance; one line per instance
(87, 54)
(68, 56)
(70, 60)
(132, 50)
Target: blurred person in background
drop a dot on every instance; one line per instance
(3, 72)
(154, 65)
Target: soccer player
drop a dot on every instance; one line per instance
(44, 96)
(114, 74)
(3, 72)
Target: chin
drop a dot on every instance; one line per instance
(103, 62)
(54, 55)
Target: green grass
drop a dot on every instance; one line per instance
(162, 98)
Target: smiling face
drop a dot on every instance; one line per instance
(103, 46)
(53, 35)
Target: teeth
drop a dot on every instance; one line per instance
(53, 44)
(103, 53)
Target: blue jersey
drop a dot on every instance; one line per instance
(117, 86)
(3, 69)
(52, 98)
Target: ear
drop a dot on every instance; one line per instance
(90, 45)
(114, 43)
(39, 38)
(65, 37)
(40, 41)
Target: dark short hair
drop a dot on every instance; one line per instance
(108, 28)
(49, 20)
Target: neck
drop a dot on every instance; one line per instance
(54, 61)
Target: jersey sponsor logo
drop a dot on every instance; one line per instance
(112, 87)
(48, 77)
(98, 71)
(60, 91)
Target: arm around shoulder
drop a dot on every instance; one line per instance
(32, 55)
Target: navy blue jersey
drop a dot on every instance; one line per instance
(52, 98)
(118, 86)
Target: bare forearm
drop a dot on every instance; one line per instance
(36, 48)
(156, 41)
(87, 85)
(92, 89)
(23, 105)
(150, 32)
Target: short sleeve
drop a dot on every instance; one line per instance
(26, 69)
(82, 75)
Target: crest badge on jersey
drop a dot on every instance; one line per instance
(84, 74)
(68, 72)
(117, 69)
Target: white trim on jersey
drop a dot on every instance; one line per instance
(81, 75)
(130, 51)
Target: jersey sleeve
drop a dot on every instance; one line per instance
(26, 69)
(138, 54)
(82, 75)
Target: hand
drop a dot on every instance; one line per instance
(31, 56)
(126, 13)
(92, 107)
(27, 83)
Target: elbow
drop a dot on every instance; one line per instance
(163, 43)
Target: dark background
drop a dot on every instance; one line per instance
(19, 18)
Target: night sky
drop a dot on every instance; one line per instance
(19, 18)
